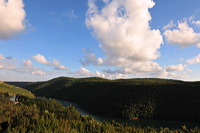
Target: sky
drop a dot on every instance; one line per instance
(45, 39)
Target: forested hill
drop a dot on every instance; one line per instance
(130, 98)
(13, 90)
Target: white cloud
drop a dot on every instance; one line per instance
(138, 68)
(174, 68)
(27, 68)
(180, 76)
(184, 36)
(90, 58)
(190, 18)
(188, 70)
(7, 63)
(170, 25)
(98, 74)
(196, 23)
(11, 65)
(1, 57)
(83, 72)
(127, 40)
(30, 69)
(27, 62)
(7, 67)
(116, 76)
(12, 16)
(58, 66)
(38, 72)
(122, 27)
(41, 59)
(149, 70)
(194, 60)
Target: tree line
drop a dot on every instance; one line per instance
(43, 116)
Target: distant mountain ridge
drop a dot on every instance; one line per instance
(17, 83)
(130, 98)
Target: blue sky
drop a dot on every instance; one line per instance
(44, 39)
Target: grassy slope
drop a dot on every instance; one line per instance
(174, 99)
(13, 90)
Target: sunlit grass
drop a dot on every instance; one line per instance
(13, 90)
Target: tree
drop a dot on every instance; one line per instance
(140, 108)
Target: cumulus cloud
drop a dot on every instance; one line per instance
(90, 58)
(173, 68)
(184, 36)
(27, 68)
(27, 63)
(41, 59)
(83, 72)
(129, 44)
(194, 60)
(12, 16)
(150, 69)
(117, 76)
(188, 70)
(58, 66)
(122, 27)
(170, 25)
(196, 23)
(141, 69)
(10, 63)
(180, 76)
(38, 72)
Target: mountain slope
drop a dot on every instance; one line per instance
(18, 84)
(131, 98)
(13, 90)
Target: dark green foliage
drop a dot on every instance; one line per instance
(47, 116)
(140, 108)
(170, 99)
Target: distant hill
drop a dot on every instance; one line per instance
(18, 84)
(13, 90)
(130, 98)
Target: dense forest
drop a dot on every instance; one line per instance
(127, 98)
(39, 115)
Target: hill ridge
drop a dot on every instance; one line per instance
(145, 98)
